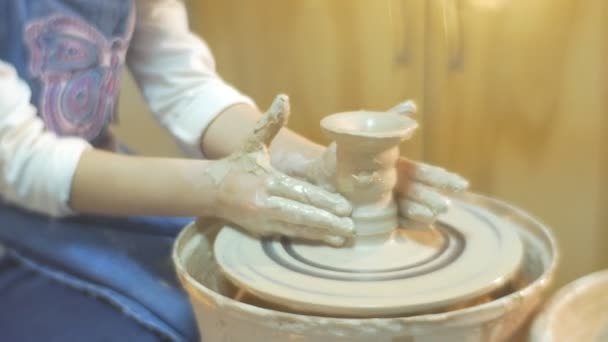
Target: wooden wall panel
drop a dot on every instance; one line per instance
(522, 115)
(603, 103)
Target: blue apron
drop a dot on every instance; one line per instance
(71, 53)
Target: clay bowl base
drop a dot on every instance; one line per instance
(577, 312)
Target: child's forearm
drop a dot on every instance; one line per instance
(112, 184)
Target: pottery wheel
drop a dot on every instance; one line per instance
(468, 253)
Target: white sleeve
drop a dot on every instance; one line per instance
(36, 166)
(176, 72)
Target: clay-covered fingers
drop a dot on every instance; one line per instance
(319, 221)
(419, 190)
(421, 204)
(269, 124)
(306, 193)
(405, 108)
(426, 196)
(322, 170)
(430, 175)
(417, 212)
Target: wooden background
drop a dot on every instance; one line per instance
(512, 92)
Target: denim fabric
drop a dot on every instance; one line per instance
(37, 308)
(125, 262)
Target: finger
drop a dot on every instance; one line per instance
(405, 108)
(290, 211)
(416, 212)
(306, 233)
(432, 175)
(322, 171)
(269, 125)
(294, 189)
(428, 197)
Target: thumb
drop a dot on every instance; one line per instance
(270, 124)
(405, 108)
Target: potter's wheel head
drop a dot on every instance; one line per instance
(470, 253)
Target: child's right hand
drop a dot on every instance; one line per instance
(252, 194)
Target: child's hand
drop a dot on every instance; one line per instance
(263, 201)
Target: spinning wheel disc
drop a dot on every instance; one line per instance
(469, 253)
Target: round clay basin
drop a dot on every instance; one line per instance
(224, 313)
(577, 312)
